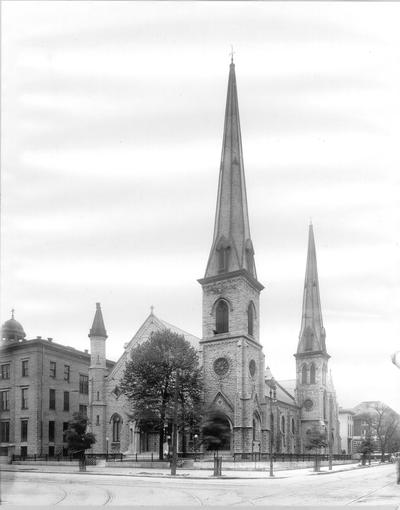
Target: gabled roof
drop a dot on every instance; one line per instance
(151, 324)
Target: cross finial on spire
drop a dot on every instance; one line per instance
(231, 54)
(151, 310)
(12, 313)
(310, 221)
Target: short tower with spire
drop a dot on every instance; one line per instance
(312, 383)
(233, 360)
(97, 374)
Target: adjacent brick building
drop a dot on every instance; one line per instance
(42, 383)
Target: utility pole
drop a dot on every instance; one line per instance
(330, 433)
(174, 460)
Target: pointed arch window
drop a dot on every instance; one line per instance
(304, 374)
(116, 428)
(312, 374)
(282, 424)
(250, 319)
(222, 317)
(324, 406)
(324, 374)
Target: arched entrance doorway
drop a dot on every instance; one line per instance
(217, 432)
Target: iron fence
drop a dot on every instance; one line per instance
(286, 457)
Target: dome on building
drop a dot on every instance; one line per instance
(12, 329)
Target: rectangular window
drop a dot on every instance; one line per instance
(97, 420)
(24, 451)
(24, 368)
(24, 398)
(83, 409)
(4, 400)
(52, 399)
(51, 431)
(5, 431)
(24, 431)
(53, 369)
(67, 372)
(66, 400)
(5, 371)
(84, 384)
(51, 451)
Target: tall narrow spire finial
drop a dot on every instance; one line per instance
(151, 310)
(231, 54)
(12, 313)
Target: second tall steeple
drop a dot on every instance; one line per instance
(232, 249)
(312, 331)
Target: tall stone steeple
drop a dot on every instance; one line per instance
(232, 248)
(312, 331)
(232, 357)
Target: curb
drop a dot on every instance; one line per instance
(186, 476)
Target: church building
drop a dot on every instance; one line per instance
(260, 411)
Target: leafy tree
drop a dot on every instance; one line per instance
(164, 363)
(215, 431)
(77, 438)
(383, 423)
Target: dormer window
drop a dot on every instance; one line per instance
(223, 250)
(223, 256)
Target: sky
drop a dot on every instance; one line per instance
(112, 120)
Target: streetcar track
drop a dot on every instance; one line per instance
(64, 497)
(109, 499)
(194, 497)
(368, 493)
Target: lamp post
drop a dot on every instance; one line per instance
(272, 400)
(174, 460)
(107, 447)
(195, 437)
(330, 429)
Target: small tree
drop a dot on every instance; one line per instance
(158, 367)
(316, 439)
(215, 431)
(78, 439)
(366, 448)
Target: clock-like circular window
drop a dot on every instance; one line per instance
(252, 367)
(308, 404)
(221, 366)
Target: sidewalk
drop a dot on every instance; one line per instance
(181, 472)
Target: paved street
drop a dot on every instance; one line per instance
(373, 486)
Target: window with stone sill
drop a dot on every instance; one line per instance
(53, 367)
(5, 371)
